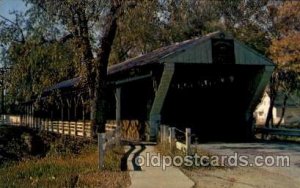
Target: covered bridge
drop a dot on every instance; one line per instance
(211, 84)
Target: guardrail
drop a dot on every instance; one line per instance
(73, 128)
(168, 135)
(10, 120)
(278, 131)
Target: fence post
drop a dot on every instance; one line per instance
(101, 150)
(75, 128)
(161, 133)
(172, 136)
(83, 129)
(188, 140)
(166, 128)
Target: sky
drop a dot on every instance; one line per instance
(7, 6)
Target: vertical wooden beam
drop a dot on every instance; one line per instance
(259, 88)
(51, 119)
(172, 137)
(188, 141)
(161, 133)
(160, 96)
(62, 117)
(264, 79)
(83, 117)
(75, 114)
(101, 150)
(69, 115)
(118, 111)
(31, 116)
(27, 116)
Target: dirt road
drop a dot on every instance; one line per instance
(250, 176)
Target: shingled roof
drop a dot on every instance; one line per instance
(158, 54)
(243, 55)
(149, 58)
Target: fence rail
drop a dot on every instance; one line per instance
(10, 120)
(168, 135)
(73, 128)
(278, 131)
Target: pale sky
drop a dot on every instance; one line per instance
(7, 6)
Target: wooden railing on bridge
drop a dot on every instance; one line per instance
(168, 135)
(73, 128)
(10, 120)
(130, 129)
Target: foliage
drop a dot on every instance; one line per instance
(284, 50)
(154, 24)
(70, 162)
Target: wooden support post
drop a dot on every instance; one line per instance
(62, 117)
(118, 112)
(28, 116)
(160, 96)
(69, 116)
(51, 120)
(45, 123)
(161, 133)
(75, 114)
(39, 123)
(83, 118)
(75, 128)
(25, 115)
(31, 116)
(101, 150)
(172, 137)
(188, 141)
(83, 129)
(166, 133)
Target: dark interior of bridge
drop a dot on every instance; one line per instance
(211, 99)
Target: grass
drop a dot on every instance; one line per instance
(69, 162)
(286, 139)
(166, 150)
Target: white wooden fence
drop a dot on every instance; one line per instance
(10, 120)
(73, 128)
(168, 135)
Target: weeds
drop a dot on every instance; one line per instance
(68, 162)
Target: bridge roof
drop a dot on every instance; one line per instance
(197, 50)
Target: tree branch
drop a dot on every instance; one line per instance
(16, 25)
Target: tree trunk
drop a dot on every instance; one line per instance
(269, 120)
(96, 68)
(273, 94)
(99, 101)
(283, 110)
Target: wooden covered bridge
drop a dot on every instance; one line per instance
(210, 84)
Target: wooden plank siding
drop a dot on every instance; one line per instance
(160, 96)
(199, 53)
(247, 56)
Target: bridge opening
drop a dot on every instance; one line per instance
(211, 99)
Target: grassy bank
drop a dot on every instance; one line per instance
(67, 162)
